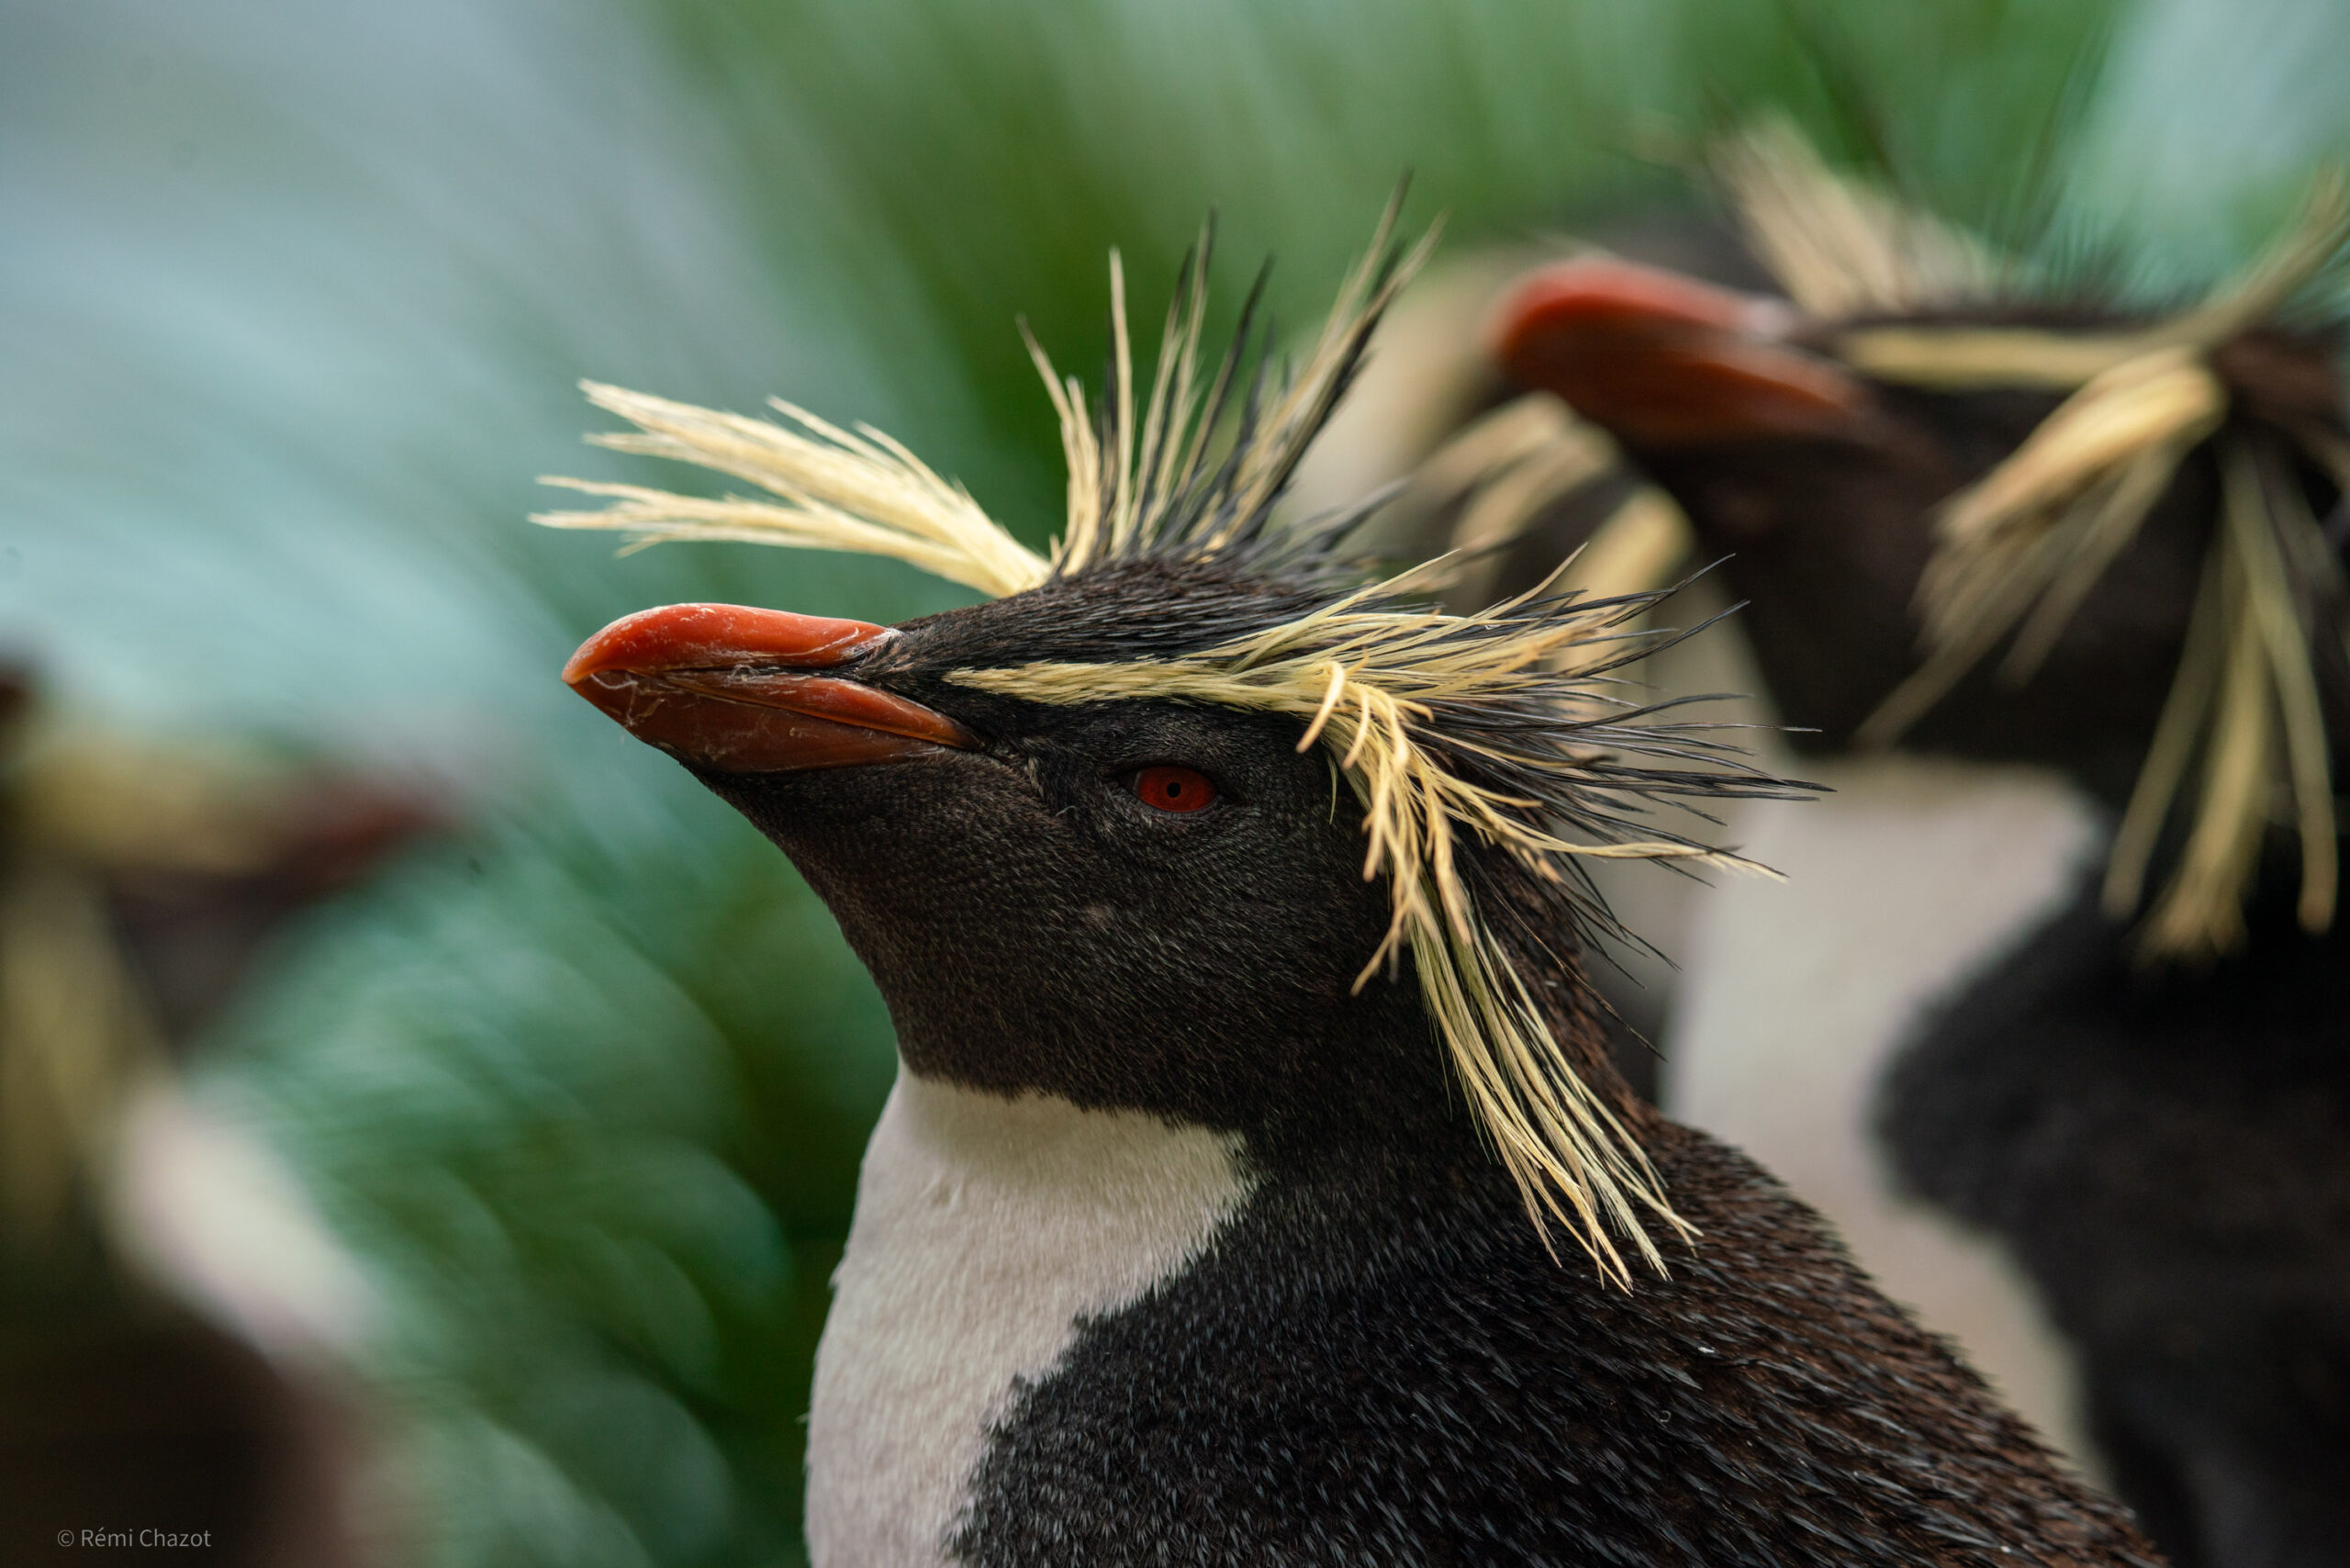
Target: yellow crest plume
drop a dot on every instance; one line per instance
(833, 489)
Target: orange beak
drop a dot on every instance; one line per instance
(1667, 361)
(726, 687)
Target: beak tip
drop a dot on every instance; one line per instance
(579, 665)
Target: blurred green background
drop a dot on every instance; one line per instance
(293, 299)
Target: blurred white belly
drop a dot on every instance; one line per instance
(1912, 878)
(986, 1229)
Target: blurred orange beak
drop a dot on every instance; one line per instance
(1667, 361)
(726, 687)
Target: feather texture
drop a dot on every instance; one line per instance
(835, 489)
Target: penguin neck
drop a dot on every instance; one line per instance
(1360, 1084)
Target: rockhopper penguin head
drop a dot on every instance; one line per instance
(1984, 518)
(1190, 818)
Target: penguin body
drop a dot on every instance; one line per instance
(2167, 1154)
(1385, 1365)
(1347, 1365)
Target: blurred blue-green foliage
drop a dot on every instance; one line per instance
(291, 308)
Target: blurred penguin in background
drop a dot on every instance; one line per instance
(2051, 1014)
(174, 1321)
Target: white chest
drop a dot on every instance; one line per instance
(986, 1229)
(1911, 878)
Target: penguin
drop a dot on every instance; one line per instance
(2061, 1131)
(1256, 1186)
(177, 1325)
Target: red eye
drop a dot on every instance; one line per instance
(1174, 789)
